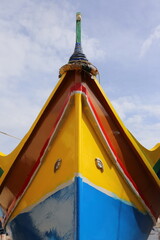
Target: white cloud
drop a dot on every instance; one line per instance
(17, 115)
(142, 119)
(36, 39)
(93, 49)
(13, 51)
(147, 44)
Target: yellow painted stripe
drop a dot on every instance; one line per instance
(46, 180)
(6, 161)
(110, 179)
(77, 144)
(135, 143)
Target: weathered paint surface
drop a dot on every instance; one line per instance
(79, 211)
(84, 209)
(53, 218)
(78, 201)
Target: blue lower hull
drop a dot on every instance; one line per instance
(81, 212)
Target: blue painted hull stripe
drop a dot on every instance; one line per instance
(79, 211)
(85, 180)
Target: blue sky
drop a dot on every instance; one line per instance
(120, 37)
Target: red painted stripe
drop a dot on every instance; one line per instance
(110, 144)
(81, 88)
(78, 87)
(118, 159)
(38, 162)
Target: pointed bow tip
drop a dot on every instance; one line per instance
(79, 66)
(78, 16)
(78, 60)
(78, 56)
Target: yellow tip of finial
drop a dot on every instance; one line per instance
(78, 16)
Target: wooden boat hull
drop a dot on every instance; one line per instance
(80, 210)
(79, 173)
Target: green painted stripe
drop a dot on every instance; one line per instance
(157, 166)
(1, 172)
(78, 30)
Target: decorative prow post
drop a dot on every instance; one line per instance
(78, 60)
(78, 54)
(78, 46)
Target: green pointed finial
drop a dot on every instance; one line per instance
(78, 54)
(78, 60)
(78, 27)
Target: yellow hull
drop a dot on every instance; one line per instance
(75, 137)
(78, 168)
(77, 145)
(78, 140)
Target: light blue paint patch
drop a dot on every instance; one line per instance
(80, 212)
(51, 219)
(1, 212)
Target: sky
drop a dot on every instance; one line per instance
(120, 37)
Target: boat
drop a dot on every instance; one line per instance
(79, 173)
